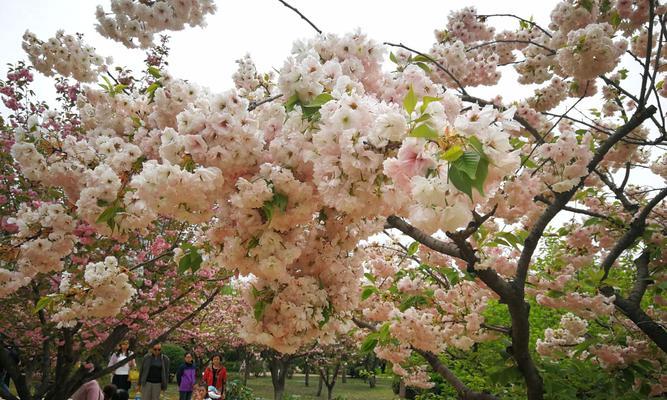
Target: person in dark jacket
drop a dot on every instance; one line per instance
(154, 374)
(186, 377)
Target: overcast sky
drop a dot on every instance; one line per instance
(263, 28)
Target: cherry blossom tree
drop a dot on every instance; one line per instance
(554, 200)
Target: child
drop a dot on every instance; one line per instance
(186, 378)
(199, 392)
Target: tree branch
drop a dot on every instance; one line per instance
(530, 42)
(644, 322)
(637, 227)
(562, 199)
(546, 32)
(437, 64)
(302, 16)
(438, 245)
(256, 104)
(464, 392)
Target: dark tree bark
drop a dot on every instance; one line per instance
(329, 378)
(278, 366)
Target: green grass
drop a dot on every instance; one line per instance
(353, 389)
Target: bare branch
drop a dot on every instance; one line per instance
(649, 51)
(302, 16)
(256, 104)
(438, 245)
(492, 42)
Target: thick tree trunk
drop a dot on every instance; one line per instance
(401, 389)
(320, 385)
(332, 383)
(521, 352)
(306, 371)
(278, 367)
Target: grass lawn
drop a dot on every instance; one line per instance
(353, 389)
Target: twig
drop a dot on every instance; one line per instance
(546, 32)
(302, 16)
(256, 104)
(550, 50)
(437, 64)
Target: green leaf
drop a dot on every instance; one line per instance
(151, 91)
(528, 162)
(423, 66)
(460, 180)
(480, 176)
(477, 145)
(292, 102)
(424, 131)
(410, 101)
(510, 238)
(280, 201)
(615, 19)
(109, 214)
(426, 101)
(421, 58)
(42, 303)
(412, 249)
(505, 375)
(392, 57)
(326, 314)
(468, 163)
(587, 4)
(383, 333)
(136, 121)
(370, 277)
(259, 309)
(412, 301)
(368, 291)
(452, 154)
(228, 290)
(369, 343)
(118, 88)
(320, 100)
(191, 259)
(605, 6)
(422, 118)
(155, 73)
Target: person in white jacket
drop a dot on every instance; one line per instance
(121, 374)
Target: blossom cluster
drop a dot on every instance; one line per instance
(130, 19)
(65, 55)
(104, 291)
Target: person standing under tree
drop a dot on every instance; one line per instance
(216, 374)
(186, 378)
(120, 375)
(154, 374)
